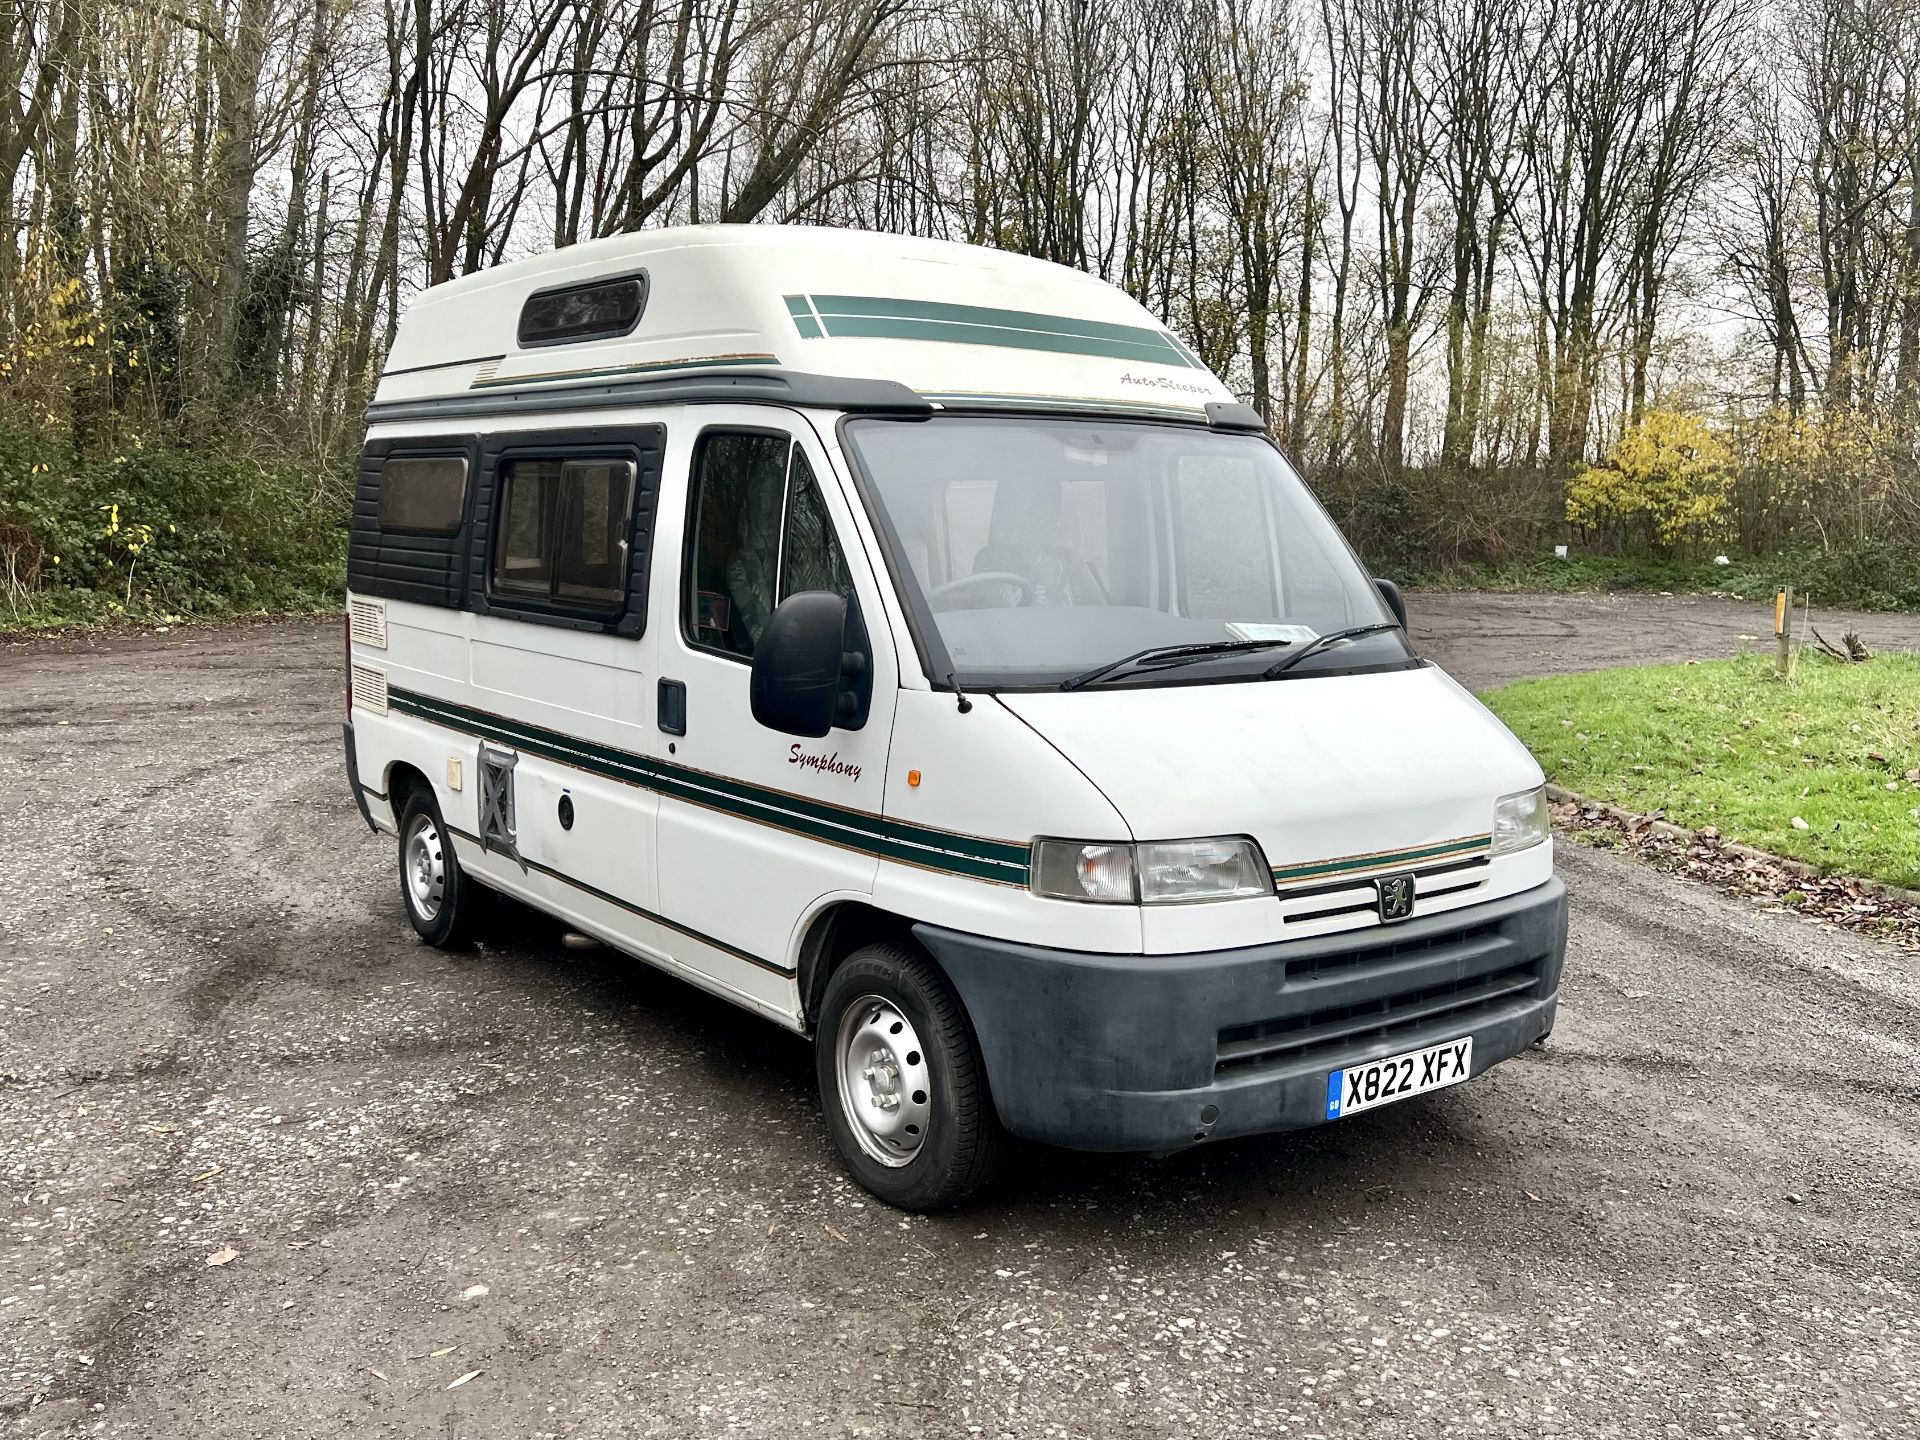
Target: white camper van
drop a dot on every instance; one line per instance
(917, 645)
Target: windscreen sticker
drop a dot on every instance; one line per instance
(1269, 630)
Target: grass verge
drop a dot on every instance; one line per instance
(1728, 744)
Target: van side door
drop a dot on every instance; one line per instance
(560, 660)
(757, 828)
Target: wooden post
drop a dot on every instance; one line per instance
(1782, 632)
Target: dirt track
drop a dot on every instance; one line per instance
(1697, 1212)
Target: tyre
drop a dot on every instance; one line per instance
(439, 897)
(901, 1082)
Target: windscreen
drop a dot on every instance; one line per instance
(1043, 547)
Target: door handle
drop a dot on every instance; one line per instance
(673, 707)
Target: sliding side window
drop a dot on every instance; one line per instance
(562, 533)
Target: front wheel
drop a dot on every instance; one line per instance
(901, 1081)
(440, 899)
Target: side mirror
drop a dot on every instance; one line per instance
(804, 679)
(1390, 593)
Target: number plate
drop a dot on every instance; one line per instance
(1381, 1082)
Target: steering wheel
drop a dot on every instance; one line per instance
(985, 577)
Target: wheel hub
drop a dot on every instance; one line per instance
(885, 1087)
(425, 868)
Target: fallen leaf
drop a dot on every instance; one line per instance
(470, 1375)
(836, 1235)
(436, 1354)
(223, 1256)
(207, 1174)
(381, 1373)
(298, 1244)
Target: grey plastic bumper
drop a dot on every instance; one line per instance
(1157, 1052)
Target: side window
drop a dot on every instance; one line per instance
(810, 556)
(562, 531)
(520, 561)
(423, 494)
(734, 549)
(590, 561)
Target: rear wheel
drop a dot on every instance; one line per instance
(901, 1081)
(439, 897)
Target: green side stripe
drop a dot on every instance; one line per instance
(1447, 850)
(876, 317)
(640, 910)
(922, 845)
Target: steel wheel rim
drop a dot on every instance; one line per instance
(886, 1091)
(424, 868)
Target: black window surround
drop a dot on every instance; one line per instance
(398, 563)
(642, 447)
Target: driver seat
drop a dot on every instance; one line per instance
(1023, 538)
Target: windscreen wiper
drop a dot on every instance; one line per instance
(1158, 657)
(1321, 642)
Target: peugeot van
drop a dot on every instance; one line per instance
(918, 645)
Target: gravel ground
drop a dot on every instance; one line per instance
(1696, 1213)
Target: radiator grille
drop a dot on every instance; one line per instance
(369, 690)
(1304, 1037)
(367, 623)
(1348, 897)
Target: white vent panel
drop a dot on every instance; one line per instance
(367, 623)
(369, 690)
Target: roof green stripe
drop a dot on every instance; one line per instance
(877, 317)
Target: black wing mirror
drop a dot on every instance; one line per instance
(1390, 593)
(805, 680)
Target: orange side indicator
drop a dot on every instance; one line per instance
(913, 778)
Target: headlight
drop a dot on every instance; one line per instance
(1159, 872)
(1225, 869)
(1519, 821)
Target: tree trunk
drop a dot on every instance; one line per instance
(231, 171)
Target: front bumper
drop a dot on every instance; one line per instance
(1158, 1052)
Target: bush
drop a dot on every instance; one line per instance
(165, 532)
(1665, 485)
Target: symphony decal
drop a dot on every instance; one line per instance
(823, 764)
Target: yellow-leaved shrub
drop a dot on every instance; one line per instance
(1667, 481)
